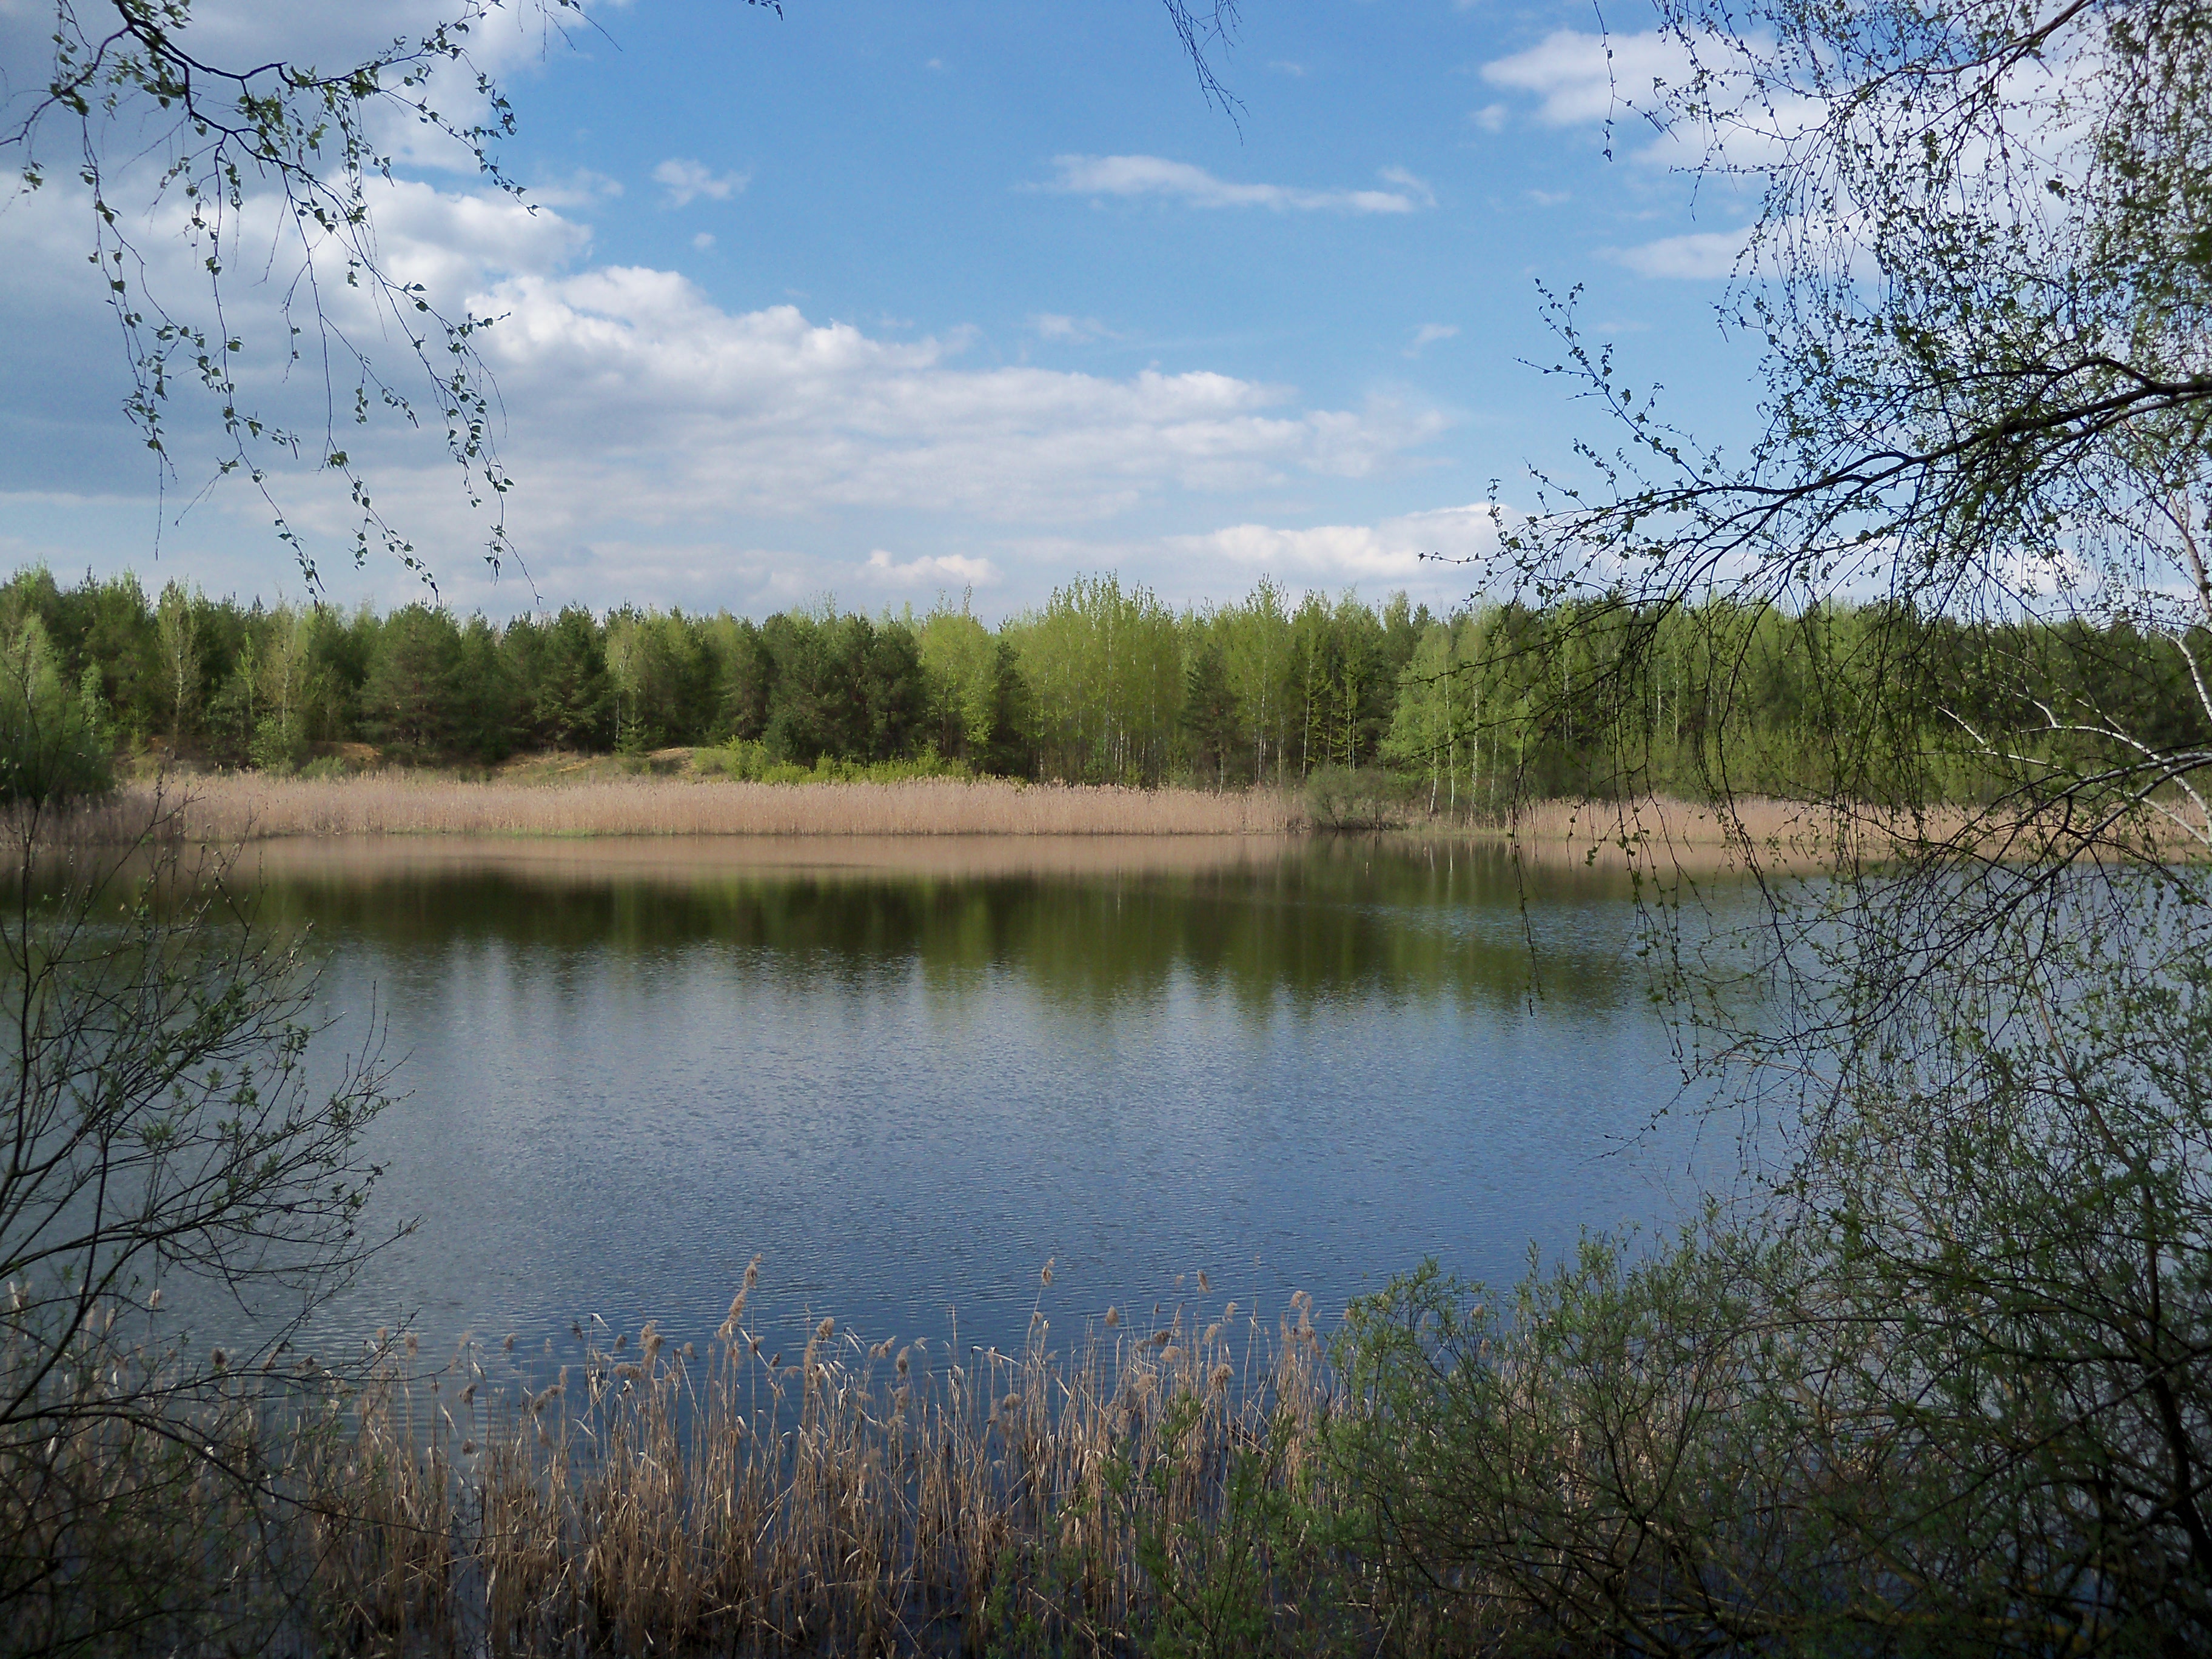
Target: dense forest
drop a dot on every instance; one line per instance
(1107, 683)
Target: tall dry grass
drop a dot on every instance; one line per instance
(854, 1497)
(650, 1497)
(240, 806)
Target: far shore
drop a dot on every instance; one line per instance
(854, 822)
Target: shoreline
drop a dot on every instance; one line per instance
(657, 822)
(858, 822)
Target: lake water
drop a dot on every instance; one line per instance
(909, 1074)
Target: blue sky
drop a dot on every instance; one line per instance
(878, 301)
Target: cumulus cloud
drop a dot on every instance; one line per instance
(884, 571)
(1155, 175)
(1399, 551)
(1584, 77)
(684, 181)
(768, 411)
(1700, 256)
(1581, 78)
(639, 413)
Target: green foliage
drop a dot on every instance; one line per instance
(1463, 713)
(1949, 1390)
(54, 741)
(1257, 1572)
(163, 1129)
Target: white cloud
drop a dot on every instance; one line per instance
(1391, 551)
(684, 180)
(1701, 255)
(630, 372)
(703, 240)
(582, 188)
(650, 429)
(1428, 334)
(1491, 118)
(1155, 175)
(1584, 77)
(1283, 66)
(938, 571)
(1051, 325)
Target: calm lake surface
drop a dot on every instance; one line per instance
(908, 1074)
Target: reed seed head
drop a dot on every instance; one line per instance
(690, 1351)
(822, 1331)
(902, 1354)
(1113, 1317)
(414, 1345)
(1204, 1284)
(752, 1272)
(507, 1347)
(1046, 1275)
(621, 1341)
(153, 1301)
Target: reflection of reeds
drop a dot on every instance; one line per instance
(658, 1497)
(242, 806)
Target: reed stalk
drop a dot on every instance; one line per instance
(861, 1498)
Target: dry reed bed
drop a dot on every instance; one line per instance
(859, 1499)
(241, 806)
(850, 1498)
(1658, 832)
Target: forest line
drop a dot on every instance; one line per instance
(1104, 684)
